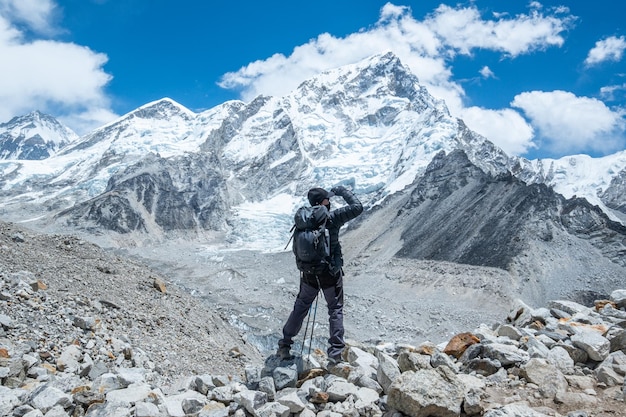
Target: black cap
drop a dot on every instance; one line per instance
(317, 195)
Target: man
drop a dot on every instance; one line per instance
(330, 280)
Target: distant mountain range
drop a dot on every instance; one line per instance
(238, 171)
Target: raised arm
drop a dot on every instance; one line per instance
(344, 214)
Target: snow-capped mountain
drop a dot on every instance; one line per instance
(599, 180)
(33, 136)
(239, 171)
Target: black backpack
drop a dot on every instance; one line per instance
(311, 240)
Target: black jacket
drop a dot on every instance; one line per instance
(338, 218)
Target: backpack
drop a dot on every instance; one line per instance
(311, 240)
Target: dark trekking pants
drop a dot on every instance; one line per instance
(334, 299)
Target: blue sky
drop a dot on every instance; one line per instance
(540, 79)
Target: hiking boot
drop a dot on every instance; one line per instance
(284, 353)
(334, 360)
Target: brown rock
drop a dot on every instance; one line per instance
(4, 353)
(38, 286)
(160, 285)
(600, 304)
(459, 344)
(319, 398)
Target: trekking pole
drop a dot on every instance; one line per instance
(306, 329)
(319, 288)
(313, 325)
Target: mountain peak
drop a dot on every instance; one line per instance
(33, 136)
(162, 109)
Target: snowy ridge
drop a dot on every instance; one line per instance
(576, 175)
(370, 126)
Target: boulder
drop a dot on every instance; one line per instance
(427, 393)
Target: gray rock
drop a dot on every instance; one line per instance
(367, 382)
(146, 409)
(619, 297)
(251, 400)
(85, 323)
(471, 403)
(8, 400)
(388, 371)
(223, 394)
(129, 396)
(612, 370)
(266, 385)
(596, 346)
(536, 348)
(546, 376)
(70, 358)
(569, 307)
(422, 393)
(108, 410)
(412, 361)
(193, 405)
(514, 410)
(289, 397)
(273, 409)
(505, 354)
(203, 384)
(57, 411)
(560, 358)
(33, 413)
(618, 341)
(506, 330)
(285, 377)
(358, 357)
(339, 390)
(577, 354)
(520, 315)
(6, 322)
(578, 398)
(483, 366)
(47, 396)
(176, 404)
(441, 359)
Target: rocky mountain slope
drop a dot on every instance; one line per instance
(87, 333)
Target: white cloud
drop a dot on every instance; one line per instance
(486, 72)
(506, 128)
(573, 124)
(463, 29)
(612, 92)
(609, 49)
(36, 14)
(59, 78)
(427, 47)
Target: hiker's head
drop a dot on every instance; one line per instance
(319, 196)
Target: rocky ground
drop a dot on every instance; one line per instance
(89, 332)
(118, 297)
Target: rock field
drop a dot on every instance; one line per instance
(85, 332)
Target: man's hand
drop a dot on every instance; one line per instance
(339, 190)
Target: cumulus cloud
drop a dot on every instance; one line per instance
(463, 29)
(573, 124)
(427, 47)
(60, 78)
(506, 128)
(35, 14)
(609, 49)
